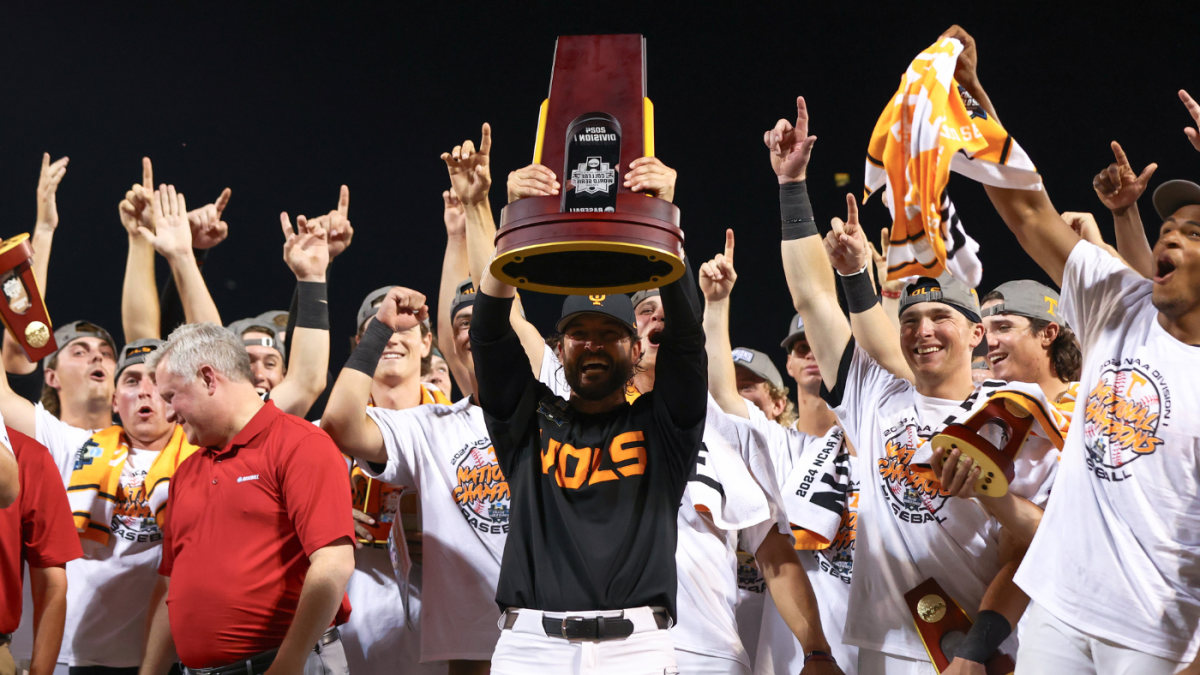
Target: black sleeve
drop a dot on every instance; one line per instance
(28, 386)
(834, 398)
(681, 371)
(501, 367)
(170, 304)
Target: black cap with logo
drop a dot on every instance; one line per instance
(136, 352)
(944, 289)
(614, 306)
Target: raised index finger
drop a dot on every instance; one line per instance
(1122, 160)
(344, 202)
(851, 211)
(1191, 105)
(147, 175)
(801, 117)
(729, 245)
(485, 141)
(223, 201)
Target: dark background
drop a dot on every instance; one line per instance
(285, 102)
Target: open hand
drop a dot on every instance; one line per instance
(47, 206)
(534, 180)
(454, 214)
(170, 233)
(1118, 187)
(1193, 109)
(791, 146)
(649, 174)
(305, 249)
(470, 171)
(208, 229)
(846, 244)
(402, 309)
(717, 276)
(956, 472)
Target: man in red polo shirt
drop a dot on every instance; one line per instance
(37, 529)
(258, 546)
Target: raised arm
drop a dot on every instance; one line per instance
(499, 379)
(454, 270)
(345, 418)
(306, 251)
(1119, 188)
(172, 238)
(717, 278)
(681, 368)
(848, 250)
(140, 314)
(809, 276)
(470, 174)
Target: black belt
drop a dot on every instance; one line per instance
(592, 628)
(258, 664)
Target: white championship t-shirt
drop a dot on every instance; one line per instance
(820, 493)
(908, 531)
(706, 554)
(1117, 554)
(108, 590)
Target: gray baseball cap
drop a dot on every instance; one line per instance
(795, 332)
(275, 317)
(759, 364)
(136, 352)
(464, 296)
(68, 333)
(944, 289)
(1174, 195)
(638, 297)
(368, 308)
(243, 326)
(1026, 298)
(615, 306)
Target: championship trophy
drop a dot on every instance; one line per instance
(596, 237)
(992, 437)
(23, 312)
(943, 625)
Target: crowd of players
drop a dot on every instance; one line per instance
(630, 493)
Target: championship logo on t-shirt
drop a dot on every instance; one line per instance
(132, 519)
(913, 491)
(482, 491)
(1122, 417)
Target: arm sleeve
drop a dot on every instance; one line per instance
(501, 367)
(47, 528)
(1096, 288)
(681, 371)
(403, 438)
(29, 385)
(317, 489)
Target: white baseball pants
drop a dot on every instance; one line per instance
(1051, 647)
(525, 649)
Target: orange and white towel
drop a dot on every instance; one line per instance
(925, 132)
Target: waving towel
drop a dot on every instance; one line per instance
(97, 475)
(927, 131)
(721, 484)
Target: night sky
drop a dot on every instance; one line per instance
(285, 102)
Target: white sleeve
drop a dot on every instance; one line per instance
(61, 439)
(862, 389)
(1097, 288)
(552, 375)
(404, 439)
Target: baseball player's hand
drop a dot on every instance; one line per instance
(1084, 225)
(791, 146)
(402, 309)
(470, 171)
(454, 214)
(208, 229)
(957, 477)
(1118, 187)
(649, 174)
(1193, 135)
(170, 234)
(846, 244)
(821, 668)
(305, 249)
(360, 532)
(964, 667)
(337, 224)
(135, 209)
(966, 68)
(534, 180)
(47, 206)
(717, 276)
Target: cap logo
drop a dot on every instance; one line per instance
(743, 355)
(469, 290)
(597, 300)
(139, 350)
(1052, 303)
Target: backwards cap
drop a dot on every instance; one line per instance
(68, 333)
(464, 296)
(136, 352)
(244, 326)
(944, 289)
(1029, 299)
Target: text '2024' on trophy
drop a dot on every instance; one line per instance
(596, 236)
(22, 309)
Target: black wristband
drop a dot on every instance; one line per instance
(312, 307)
(796, 211)
(370, 348)
(860, 292)
(985, 636)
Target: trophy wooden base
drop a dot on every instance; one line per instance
(943, 625)
(996, 465)
(636, 247)
(21, 307)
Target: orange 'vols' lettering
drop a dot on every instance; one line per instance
(550, 456)
(600, 475)
(620, 453)
(582, 465)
